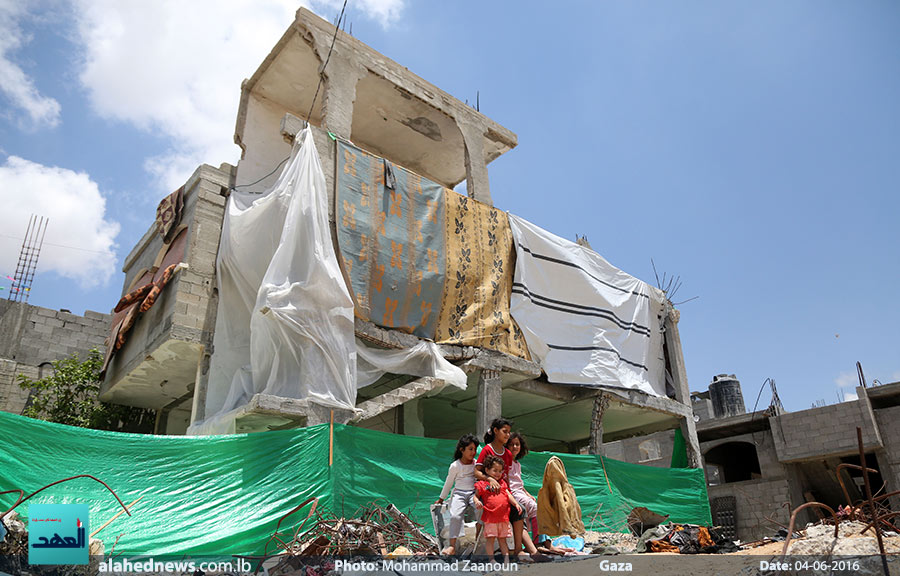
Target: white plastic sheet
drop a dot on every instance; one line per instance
(284, 325)
(285, 316)
(423, 359)
(587, 322)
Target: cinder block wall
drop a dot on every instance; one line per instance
(32, 337)
(825, 431)
(755, 500)
(650, 450)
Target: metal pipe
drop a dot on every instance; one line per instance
(787, 540)
(862, 460)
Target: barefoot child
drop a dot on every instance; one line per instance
(462, 477)
(495, 445)
(518, 449)
(495, 506)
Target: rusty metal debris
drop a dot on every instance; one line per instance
(870, 511)
(23, 498)
(373, 530)
(790, 531)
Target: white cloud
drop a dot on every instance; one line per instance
(17, 86)
(846, 380)
(384, 11)
(175, 69)
(79, 242)
(850, 396)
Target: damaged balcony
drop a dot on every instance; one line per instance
(159, 356)
(366, 98)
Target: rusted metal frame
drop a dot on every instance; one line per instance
(787, 539)
(871, 501)
(844, 488)
(20, 499)
(881, 519)
(315, 502)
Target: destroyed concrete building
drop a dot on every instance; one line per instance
(763, 464)
(32, 338)
(161, 358)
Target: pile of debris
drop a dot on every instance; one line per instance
(374, 530)
(685, 539)
(14, 552)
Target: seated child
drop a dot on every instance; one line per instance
(461, 477)
(495, 507)
(518, 449)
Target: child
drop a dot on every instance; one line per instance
(518, 449)
(462, 473)
(495, 445)
(495, 506)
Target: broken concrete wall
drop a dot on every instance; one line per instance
(32, 337)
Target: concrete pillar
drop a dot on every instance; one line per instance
(318, 414)
(682, 391)
(601, 403)
(339, 89)
(490, 400)
(477, 184)
(412, 418)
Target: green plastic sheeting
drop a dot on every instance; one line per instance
(215, 495)
(679, 451)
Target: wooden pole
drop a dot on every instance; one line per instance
(108, 522)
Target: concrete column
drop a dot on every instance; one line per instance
(601, 403)
(682, 390)
(477, 184)
(318, 414)
(412, 418)
(339, 89)
(490, 400)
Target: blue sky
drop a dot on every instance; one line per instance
(749, 148)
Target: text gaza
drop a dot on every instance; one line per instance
(608, 566)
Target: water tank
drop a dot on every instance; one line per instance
(725, 393)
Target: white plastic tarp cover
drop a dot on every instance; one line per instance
(284, 324)
(587, 322)
(285, 316)
(423, 359)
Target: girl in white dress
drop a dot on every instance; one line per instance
(460, 476)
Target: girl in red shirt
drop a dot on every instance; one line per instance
(495, 506)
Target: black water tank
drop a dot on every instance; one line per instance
(725, 393)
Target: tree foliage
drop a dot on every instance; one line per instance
(70, 396)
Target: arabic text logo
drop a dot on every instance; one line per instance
(57, 534)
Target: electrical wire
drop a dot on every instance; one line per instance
(59, 245)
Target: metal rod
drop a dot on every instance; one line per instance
(862, 460)
(787, 540)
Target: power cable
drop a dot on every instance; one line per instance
(59, 245)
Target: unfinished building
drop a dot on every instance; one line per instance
(761, 465)
(401, 145)
(33, 337)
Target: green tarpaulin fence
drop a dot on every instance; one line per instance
(224, 494)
